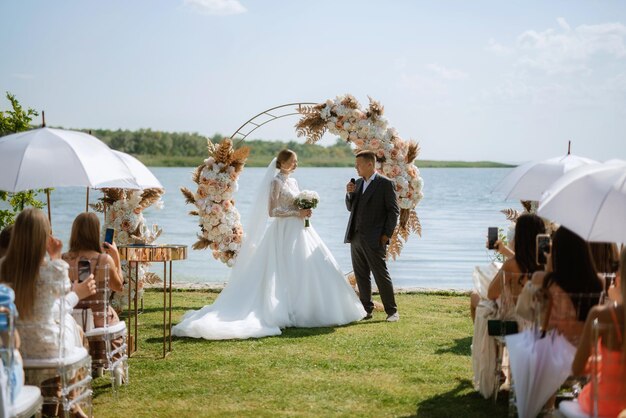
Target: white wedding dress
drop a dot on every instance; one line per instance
(288, 279)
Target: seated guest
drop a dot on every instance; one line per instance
(508, 283)
(570, 283)
(38, 284)
(611, 371)
(40, 287)
(5, 237)
(85, 245)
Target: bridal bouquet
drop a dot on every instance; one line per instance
(307, 200)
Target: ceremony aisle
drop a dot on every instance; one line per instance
(419, 366)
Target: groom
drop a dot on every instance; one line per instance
(374, 211)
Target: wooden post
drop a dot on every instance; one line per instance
(87, 201)
(569, 147)
(43, 118)
(49, 214)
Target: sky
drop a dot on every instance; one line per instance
(507, 81)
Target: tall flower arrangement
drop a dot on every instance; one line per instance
(369, 130)
(124, 212)
(219, 220)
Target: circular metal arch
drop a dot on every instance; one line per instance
(268, 116)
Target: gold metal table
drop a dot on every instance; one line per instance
(144, 253)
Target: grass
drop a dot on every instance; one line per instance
(419, 366)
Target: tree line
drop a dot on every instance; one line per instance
(181, 148)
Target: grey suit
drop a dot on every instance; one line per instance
(372, 215)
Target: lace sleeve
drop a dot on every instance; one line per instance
(54, 276)
(278, 208)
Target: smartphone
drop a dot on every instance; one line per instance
(492, 237)
(84, 270)
(108, 235)
(543, 247)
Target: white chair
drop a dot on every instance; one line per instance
(65, 382)
(107, 342)
(28, 401)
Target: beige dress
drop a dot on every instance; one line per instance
(50, 332)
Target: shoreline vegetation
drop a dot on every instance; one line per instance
(182, 149)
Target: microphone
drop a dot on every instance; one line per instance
(353, 181)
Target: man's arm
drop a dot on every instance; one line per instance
(391, 208)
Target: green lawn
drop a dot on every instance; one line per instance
(419, 366)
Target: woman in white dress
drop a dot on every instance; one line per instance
(284, 275)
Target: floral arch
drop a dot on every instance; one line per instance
(367, 129)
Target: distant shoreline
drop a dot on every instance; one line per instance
(169, 161)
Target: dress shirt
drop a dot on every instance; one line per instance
(367, 182)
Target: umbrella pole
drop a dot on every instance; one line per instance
(87, 201)
(48, 198)
(569, 147)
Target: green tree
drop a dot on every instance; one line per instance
(16, 120)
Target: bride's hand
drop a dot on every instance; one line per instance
(306, 213)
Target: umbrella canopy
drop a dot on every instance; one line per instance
(539, 367)
(590, 201)
(529, 181)
(47, 157)
(141, 174)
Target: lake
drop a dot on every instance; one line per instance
(457, 209)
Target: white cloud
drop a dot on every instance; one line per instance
(570, 51)
(447, 73)
(497, 48)
(563, 23)
(216, 7)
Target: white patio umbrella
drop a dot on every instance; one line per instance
(141, 174)
(46, 157)
(529, 181)
(590, 201)
(539, 366)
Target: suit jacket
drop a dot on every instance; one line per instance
(373, 213)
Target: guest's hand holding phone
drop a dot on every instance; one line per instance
(543, 246)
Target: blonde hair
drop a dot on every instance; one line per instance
(85, 233)
(27, 250)
(284, 156)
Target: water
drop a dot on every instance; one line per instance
(457, 209)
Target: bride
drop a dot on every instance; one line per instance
(284, 276)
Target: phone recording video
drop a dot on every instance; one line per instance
(108, 235)
(492, 237)
(543, 248)
(84, 270)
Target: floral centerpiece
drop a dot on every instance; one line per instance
(220, 224)
(123, 211)
(307, 199)
(369, 130)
